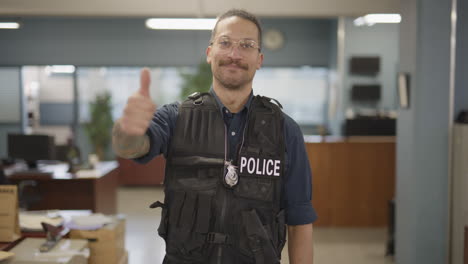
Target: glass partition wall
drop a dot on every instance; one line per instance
(58, 99)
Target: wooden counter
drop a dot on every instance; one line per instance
(353, 180)
(151, 173)
(465, 261)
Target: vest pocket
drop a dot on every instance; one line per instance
(256, 187)
(259, 239)
(195, 179)
(189, 222)
(279, 231)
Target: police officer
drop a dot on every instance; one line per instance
(237, 173)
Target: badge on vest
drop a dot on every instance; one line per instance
(260, 166)
(231, 178)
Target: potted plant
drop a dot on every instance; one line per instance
(100, 124)
(200, 81)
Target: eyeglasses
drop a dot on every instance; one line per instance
(245, 45)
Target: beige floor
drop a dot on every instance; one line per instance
(331, 245)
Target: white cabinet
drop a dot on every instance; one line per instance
(459, 191)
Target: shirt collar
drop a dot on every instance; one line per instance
(221, 105)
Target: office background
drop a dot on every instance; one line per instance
(89, 42)
(421, 45)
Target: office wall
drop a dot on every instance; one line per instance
(10, 94)
(127, 42)
(377, 40)
(10, 100)
(422, 134)
(307, 42)
(54, 99)
(202, 8)
(461, 79)
(333, 82)
(459, 196)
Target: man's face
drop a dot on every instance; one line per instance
(235, 66)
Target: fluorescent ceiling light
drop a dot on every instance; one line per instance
(58, 69)
(181, 23)
(372, 19)
(9, 25)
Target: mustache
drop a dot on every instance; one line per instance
(237, 63)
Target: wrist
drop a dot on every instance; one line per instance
(128, 146)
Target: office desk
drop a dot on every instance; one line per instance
(58, 189)
(67, 251)
(6, 246)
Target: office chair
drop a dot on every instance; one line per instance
(26, 194)
(3, 178)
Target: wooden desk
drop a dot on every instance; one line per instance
(6, 246)
(58, 189)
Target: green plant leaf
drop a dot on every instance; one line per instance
(100, 124)
(200, 81)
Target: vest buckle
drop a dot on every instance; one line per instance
(194, 96)
(197, 98)
(198, 101)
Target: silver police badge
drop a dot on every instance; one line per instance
(231, 178)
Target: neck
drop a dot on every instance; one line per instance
(234, 100)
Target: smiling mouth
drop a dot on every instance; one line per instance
(234, 66)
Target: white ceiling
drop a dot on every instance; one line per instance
(195, 8)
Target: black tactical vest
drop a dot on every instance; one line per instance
(204, 220)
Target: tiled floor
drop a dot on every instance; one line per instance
(331, 245)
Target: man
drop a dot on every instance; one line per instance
(236, 170)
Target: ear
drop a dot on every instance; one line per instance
(259, 60)
(208, 54)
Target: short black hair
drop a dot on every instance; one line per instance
(242, 14)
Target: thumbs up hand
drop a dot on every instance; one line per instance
(145, 82)
(139, 110)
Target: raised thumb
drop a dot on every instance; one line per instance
(145, 82)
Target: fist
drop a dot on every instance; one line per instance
(139, 110)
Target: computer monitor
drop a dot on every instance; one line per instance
(364, 65)
(31, 148)
(365, 92)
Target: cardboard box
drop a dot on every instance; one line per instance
(107, 244)
(67, 251)
(124, 259)
(110, 257)
(9, 224)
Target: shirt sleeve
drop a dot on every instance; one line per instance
(297, 186)
(160, 131)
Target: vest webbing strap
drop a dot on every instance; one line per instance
(251, 224)
(188, 212)
(175, 213)
(203, 214)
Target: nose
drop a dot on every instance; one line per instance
(235, 51)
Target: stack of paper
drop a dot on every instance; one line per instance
(89, 222)
(32, 221)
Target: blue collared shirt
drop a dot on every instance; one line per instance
(297, 186)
